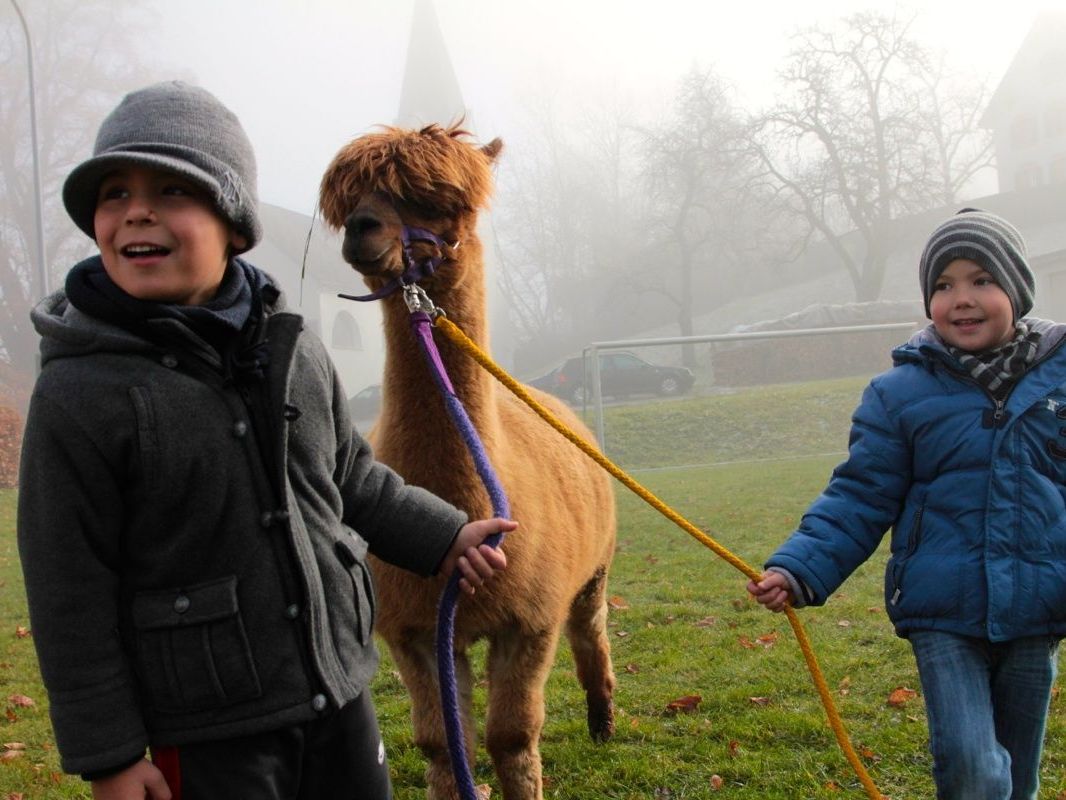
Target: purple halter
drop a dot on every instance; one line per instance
(413, 271)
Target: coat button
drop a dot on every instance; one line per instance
(318, 702)
(170, 360)
(240, 427)
(181, 604)
(293, 611)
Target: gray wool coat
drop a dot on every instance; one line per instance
(175, 594)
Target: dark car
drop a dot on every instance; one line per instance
(621, 374)
(365, 404)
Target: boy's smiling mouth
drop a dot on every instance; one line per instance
(144, 250)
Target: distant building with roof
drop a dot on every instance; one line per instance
(1027, 112)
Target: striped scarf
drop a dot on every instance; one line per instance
(999, 368)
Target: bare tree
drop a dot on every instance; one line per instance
(868, 134)
(85, 57)
(700, 176)
(564, 220)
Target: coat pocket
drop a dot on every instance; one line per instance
(192, 650)
(352, 554)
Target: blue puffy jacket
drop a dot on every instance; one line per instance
(974, 491)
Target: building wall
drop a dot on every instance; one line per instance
(1027, 112)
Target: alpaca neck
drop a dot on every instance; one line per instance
(458, 289)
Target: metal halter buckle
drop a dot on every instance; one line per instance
(417, 300)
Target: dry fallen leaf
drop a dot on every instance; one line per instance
(744, 641)
(632, 669)
(843, 624)
(484, 791)
(869, 754)
(716, 782)
(13, 746)
(11, 755)
(21, 701)
(707, 622)
(686, 704)
(617, 602)
(21, 631)
(759, 701)
(15, 796)
(768, 639)
(900, 695)
(734, 747)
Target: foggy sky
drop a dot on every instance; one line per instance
(306, 77)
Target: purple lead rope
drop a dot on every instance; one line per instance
(453, 722)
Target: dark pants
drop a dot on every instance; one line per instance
(338, 757)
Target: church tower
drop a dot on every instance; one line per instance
(430, 88)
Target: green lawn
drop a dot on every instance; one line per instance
(682, 625)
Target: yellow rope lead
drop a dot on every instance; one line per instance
(835, 722)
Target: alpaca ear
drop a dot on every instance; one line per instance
(493, 149)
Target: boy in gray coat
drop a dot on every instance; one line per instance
(195, 506)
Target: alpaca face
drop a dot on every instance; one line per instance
(372, 232)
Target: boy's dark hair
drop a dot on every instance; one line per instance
(989, 241)
(181, 129)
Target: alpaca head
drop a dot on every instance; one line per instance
(431, 178)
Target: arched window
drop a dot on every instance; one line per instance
(346, 335)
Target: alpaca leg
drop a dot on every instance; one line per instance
(518, 666)
(416, 660)
(586, 628)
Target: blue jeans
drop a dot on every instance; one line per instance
(987, 704)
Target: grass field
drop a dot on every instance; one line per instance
(681, 625)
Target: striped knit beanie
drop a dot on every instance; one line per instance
(987, 240)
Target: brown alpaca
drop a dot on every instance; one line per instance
(558, 559)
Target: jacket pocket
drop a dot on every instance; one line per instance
(192, 649)
(352, 554)
(899, 565)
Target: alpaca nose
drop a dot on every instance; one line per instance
(360, 223)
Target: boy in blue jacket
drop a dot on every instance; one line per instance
(195, 507)
(960, 448)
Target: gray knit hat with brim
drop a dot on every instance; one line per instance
(990, 242)
(179, 128)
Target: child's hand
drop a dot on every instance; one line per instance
(139, 781)
(476, 562)
(772, 591)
